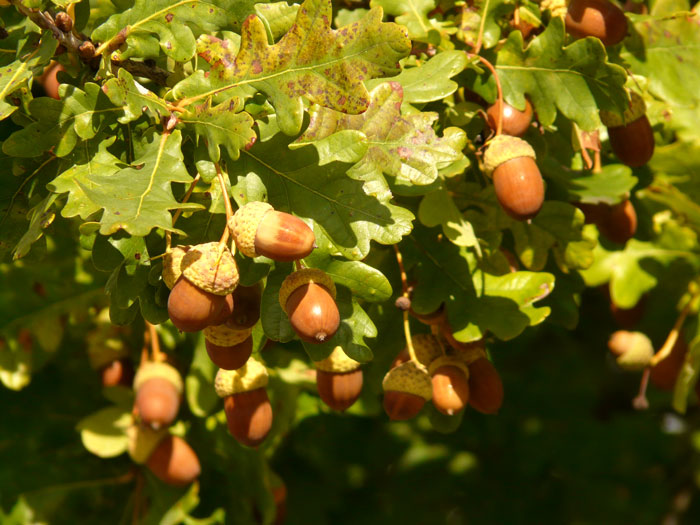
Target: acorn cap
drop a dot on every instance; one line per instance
(410, 377)
(171, 265)
(222, 335)
(142, 441)
(504, 148)
(211, 267)
(251, 376)
(427, 348)
(637, 108)
(556, 7)
(337, 362)
(302, 277)
(448, 360)
(637, 353)
(244, 225)
(165, 371)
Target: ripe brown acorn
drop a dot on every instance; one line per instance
(308, 298)
(485, 387)
(339, 380)
(230, 357)
(118, 372)
(598, 18)
(226, 310)
(192, 309)
(631, 136)
(259, 229)
(449, 378)
(519, 187)
(49, 79)
(515, 122)
(174, 462)
(247, 407)
(620, 223)
(158, 389)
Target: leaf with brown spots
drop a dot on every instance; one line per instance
(402, 146)
(311, 61)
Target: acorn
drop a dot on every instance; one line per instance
(597, 18)
(247, 301)
(633, 350)
(228, 348)
(158, 388)
(401, 358)
(449, 376)
(406, 389)
(259, 229)
(308, 297)
(108, 353)
(142, 441)
(225, 311)
(631, 136)
(339, 380)
(665, 372)
(519, 187)
(64, 22)
(118, 372)
(514, 122)
(209, 274)
(485, 387)
(174, 462)
(49, 81)
(247, 407)
(620, 224)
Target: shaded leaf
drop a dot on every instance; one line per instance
(104, 432)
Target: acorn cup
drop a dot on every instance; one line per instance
(597, 18)
(406, 389)
(169, 457)
(209, 275)
(633, 350)
(485, 387)
(259, 229)
(158, 388)
(172, 260)
(339, 380)
(450, 384)
(519, 187)
(514, 121)
(631, 136)
(426, 347)
(247, 407)
(228, 348)
(307, 297)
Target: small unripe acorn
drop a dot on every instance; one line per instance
(598, 18)
(406, 389)
(339, 380)
(631, 136)
(174, 462)
(450, 384)
(633, 350)
(519, 187)
(230, 357)
(259, 229)
(485, 387)
(665, 373)
(158, 388)
(308, 298)
(118, 372)
(247, 407)
(514, 122)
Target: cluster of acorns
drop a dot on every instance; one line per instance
(205, 296)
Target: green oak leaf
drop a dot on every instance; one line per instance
(470, 21)
(344, 211)
(476, 302)
(136, 197)
(576, 79)
(687, 376)
(403, 146)
(610, 185)
(104, 432)
(133, 98)
(199, 383)
(431, 80)
(40, 217)
(278, 17)
(439, 208)
(61, 124)
(414, 14)
(310, 61)
(222, 125)
(169, 26)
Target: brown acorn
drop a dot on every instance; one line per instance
(339, 380)
(598, 18)
(515, 122)
(174, 462)
(49, 81)
(209, 275)
(247, 407)
(158, 388)
(519, 187)
(118, 372)
(230, 357)
(64, 22)
(620, 223)
(406, 389)
(485, 387)
(308, 298)
(631, 136)
(259, 229)
(664, 373)
(450, 384)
